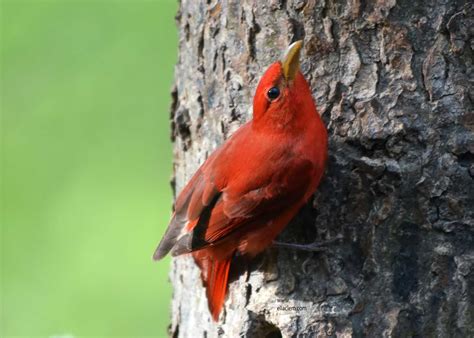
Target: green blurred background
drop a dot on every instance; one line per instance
(86, 162)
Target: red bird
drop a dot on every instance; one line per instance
(250, 188)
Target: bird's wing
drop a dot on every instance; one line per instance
(253, 204)
(197, 195)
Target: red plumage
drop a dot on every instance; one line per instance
(249, 189)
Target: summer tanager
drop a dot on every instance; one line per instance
(250, 188)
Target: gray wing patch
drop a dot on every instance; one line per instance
(171, 236)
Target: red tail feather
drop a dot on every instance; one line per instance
(214, 274)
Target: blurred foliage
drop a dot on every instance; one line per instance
(86, 162)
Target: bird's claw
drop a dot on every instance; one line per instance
(312, 247)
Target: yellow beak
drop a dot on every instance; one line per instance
(290, 62)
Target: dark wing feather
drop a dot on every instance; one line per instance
(191, 202)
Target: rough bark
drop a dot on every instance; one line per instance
(393, 82)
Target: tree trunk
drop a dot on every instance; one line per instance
(392, 80)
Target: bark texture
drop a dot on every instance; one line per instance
(393, 82)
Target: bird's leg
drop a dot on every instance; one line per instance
(314, 247)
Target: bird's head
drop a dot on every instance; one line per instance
(283, 95)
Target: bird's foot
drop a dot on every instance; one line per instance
(313, 247)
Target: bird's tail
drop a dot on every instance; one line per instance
(215, 275)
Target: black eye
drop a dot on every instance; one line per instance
(273, 93)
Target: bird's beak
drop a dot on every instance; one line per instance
(290, 62)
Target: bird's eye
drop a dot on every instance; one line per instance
(273, 93)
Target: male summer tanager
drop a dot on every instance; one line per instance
(250, 188)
